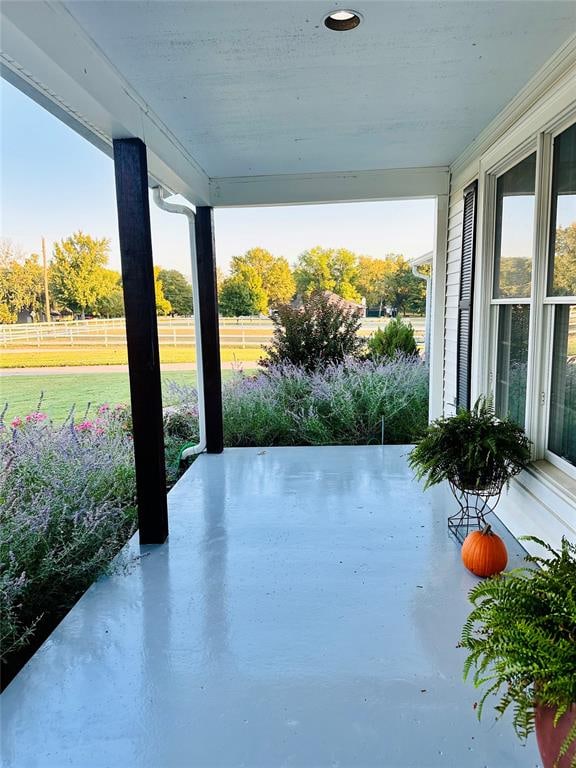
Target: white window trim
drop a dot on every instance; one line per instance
(494, 163)
(546, 372)
(501, 167)
(546, 305)
(523, 300)
(559, 300)
(491, 166)
(537, 390)
(544, 471)
(543, 365)
(561, 463)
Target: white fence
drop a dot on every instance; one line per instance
(241, 332)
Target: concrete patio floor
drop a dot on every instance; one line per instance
(305, 612)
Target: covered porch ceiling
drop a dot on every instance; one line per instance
(258, 102)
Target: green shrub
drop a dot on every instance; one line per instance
(321, 332)
(395, 338)
(181, 429)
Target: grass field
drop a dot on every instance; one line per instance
(34, 358)
(62, 391)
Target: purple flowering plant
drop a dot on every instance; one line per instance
(341, 403)
(67, 505)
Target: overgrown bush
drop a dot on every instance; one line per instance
(340, 404)
(321, 332)
(67, 505)
(395, 338)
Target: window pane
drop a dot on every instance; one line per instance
(562, 272)
(512, 361)
(514, 230)
(562, 432)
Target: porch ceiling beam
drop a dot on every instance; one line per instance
(294, 189)
(47, 55)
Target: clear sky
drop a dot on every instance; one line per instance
(54, 182)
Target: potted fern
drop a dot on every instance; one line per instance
(478, 454)
(521, 638)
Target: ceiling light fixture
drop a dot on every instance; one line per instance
(342, 21)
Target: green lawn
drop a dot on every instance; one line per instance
(62, 391)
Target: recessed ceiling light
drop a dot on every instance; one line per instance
(342, 21)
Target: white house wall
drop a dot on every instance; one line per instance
(534, 505)
(550, 94)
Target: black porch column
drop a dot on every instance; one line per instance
(205, 254)
(131, 172)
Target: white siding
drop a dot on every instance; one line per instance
(542, 500)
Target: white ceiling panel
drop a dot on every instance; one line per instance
(261, 88)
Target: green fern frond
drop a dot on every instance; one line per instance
(473, 449)
(521, 637)
(567, 743)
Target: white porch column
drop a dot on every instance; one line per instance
(436, 357)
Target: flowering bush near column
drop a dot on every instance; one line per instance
(67, 505)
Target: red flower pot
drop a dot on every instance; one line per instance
(551, 738)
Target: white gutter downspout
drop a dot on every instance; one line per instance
(159, 194)
(427, 330)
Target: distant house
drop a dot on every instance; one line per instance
(333, 298)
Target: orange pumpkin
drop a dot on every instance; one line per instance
(484, 553)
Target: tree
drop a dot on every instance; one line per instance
(21, 283)
(111, 303)
(6, 316)
(405, 291)
(328, 269)
(565, 261)
(163, 306)
(390, 282)
(322, 331)
(177, 290)
(372, 277)
(515, 277)
(240, 297)
(78, 276)
(274, 272)
(280, 284)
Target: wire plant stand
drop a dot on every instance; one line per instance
(474, 505)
